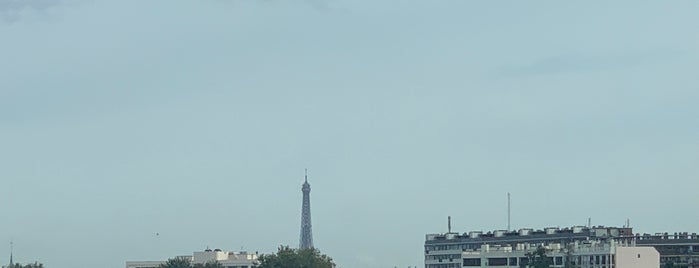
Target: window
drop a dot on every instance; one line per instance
(523, 261)
(513, 261)
(559, 261)
(497, 261)
(472, 262)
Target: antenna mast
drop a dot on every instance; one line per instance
(449, 224)
(508, 212)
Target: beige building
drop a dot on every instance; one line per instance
(227, 259)
(637, 257)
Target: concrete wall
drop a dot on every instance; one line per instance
(206, 256)
(637, 257)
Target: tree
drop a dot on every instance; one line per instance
(538, 259)
(210, 264)
(181, 262)
(295, 258)
(178, 262)
(30, 265)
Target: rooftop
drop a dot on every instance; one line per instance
(531, 234)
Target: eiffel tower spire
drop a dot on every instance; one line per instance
(12, 248)
(306, 240)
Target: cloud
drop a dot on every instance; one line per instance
(320, 5)
(12, 10)
(573, 63)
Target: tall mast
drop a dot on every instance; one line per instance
(508, 213)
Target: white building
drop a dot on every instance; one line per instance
(583, 247)
(590, 254)
(225, 258)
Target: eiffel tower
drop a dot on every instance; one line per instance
(306, 240)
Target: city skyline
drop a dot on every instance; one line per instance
(139, 130)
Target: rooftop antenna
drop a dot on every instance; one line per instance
(449, 224)
(628, 223)
(589, 222)
(306, 176)
(508, 212)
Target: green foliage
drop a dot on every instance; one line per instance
(178, 262)
(296, 258)
(30, 265)
(538, 259)
(211, 264)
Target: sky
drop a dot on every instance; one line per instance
(195, 120)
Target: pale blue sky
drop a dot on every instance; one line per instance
(195, 119)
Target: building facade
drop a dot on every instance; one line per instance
(227, 259)
(678, 249)
(579, 255)
(583, 247)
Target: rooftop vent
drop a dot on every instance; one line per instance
(551, 230)
(474, 234)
